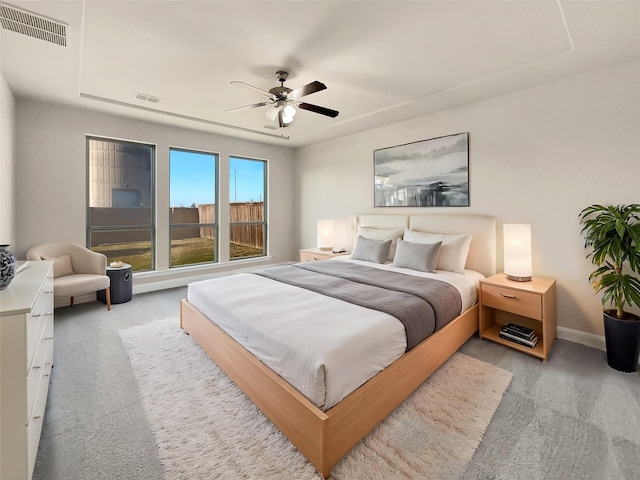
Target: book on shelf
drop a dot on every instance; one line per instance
(519, 340)
(519, 331)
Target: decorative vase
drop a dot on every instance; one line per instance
(7, 266)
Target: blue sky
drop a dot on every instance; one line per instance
(246, 180)
(192, 179)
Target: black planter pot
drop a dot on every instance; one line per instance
(622, 336)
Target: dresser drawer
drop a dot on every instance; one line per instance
(34, 334)
(512, 301)
(35, 416)
(34, 377)
(34, 426)
(41, 367)
(38, 318)
(45, 299)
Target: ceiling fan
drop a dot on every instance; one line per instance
(285, 100)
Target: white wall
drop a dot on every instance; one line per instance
(7, 165)
(537, 156)
(51, 179)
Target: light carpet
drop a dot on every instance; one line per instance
(206, 428)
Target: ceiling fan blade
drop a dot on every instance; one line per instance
(308, 89)
(247, 107)
(316, 109)
(251, 87)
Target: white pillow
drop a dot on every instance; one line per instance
(61, 265)
(382, 234)
(417, 256)
(453, 252)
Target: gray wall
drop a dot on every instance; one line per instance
(537, 156)
(51, 179)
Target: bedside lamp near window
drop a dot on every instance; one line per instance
(517, 251)
(325, 234)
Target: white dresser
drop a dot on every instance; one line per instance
(26, 358)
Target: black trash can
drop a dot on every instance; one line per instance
(121, 284)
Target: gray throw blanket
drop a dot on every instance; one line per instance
(423, 305)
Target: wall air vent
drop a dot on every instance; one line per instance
(32, 25)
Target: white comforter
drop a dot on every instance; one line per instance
(325, 348)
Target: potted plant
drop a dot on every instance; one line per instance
(613, 234)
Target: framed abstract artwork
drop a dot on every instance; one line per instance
(428, 173)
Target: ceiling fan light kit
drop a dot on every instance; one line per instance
(285, 100)
(289, 112)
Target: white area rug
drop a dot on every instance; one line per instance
(206, 428)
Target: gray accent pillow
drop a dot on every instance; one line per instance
(454, 251)
(417, 256)
(382, 234)
(371, 250)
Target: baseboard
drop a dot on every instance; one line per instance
(171, 283)
(65, 302)
(166, 283)
(584, 338)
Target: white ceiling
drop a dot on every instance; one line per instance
(382, 61)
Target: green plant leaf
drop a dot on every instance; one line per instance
(612, 240)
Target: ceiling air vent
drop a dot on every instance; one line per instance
(26, 23)
(146, 98)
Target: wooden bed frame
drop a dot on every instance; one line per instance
(325, 437)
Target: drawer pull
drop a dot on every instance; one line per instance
(36, 367)
(48, 338)
(37, 417)
(507, 296)
(48, 291)
(35, 315)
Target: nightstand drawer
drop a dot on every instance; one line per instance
(309, 256)
(313, 254)
(512, 301)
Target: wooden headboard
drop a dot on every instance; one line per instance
(482, 252)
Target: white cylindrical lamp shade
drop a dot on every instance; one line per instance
(517, 251)
(325, 234)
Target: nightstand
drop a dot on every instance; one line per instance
(535, 301)
(309, 254)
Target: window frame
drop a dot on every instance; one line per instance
(152, 197)
(264, 223)
(215, 225)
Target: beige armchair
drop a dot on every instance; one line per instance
(76, 269)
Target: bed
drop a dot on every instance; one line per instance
(324, 430)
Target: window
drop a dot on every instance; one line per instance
(193, 211)
(247, 200)
(120, 207)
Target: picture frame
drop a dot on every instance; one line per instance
(426, 173)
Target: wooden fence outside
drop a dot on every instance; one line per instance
(246, 235)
